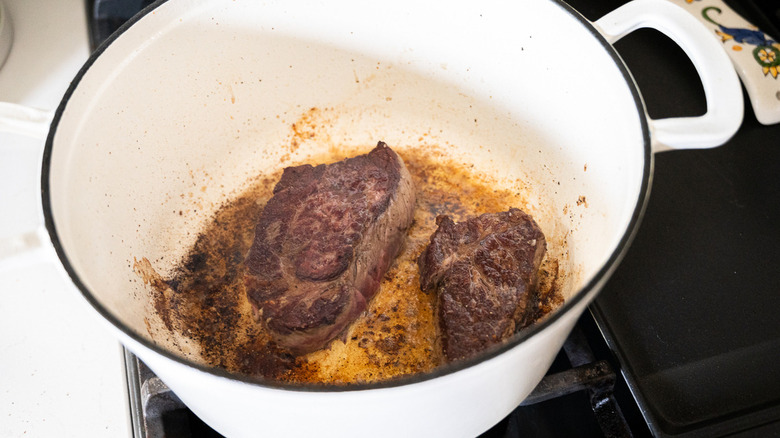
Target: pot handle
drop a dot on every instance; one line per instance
(33, 246)
(722, 90)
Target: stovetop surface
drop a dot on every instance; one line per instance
(692, 310)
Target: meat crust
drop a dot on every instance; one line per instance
(323, 243)
(485, 273)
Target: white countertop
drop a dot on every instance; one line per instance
(61, 371)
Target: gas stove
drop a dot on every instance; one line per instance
(683, 341)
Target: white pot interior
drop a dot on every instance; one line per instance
(198, 97)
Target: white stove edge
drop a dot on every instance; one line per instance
(61, 371)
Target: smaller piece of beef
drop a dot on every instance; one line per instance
(485, 272)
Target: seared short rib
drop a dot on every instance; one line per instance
(323, 243)
(485, 273)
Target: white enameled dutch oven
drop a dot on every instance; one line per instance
(193, 97)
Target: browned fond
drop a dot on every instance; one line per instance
(397, 335)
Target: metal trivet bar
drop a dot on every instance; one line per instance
(155, 411)
(595, 376)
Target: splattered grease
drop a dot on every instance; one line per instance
(204, 299)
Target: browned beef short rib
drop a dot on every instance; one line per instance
(323, 243)
(484, 271)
